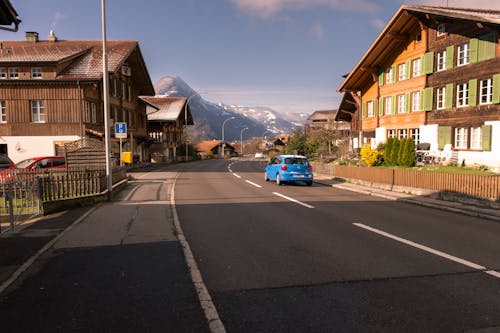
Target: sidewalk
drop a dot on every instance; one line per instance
(422, 200)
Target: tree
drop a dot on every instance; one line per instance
(297, 142)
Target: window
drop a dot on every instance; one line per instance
(462, 95)
(463, 54)
(486, 91)
(417, 68)
(36, 73)
(87, 112)
(129, 93)
(415, 134)
(124, 90)
(401, 72)
(461, 138)
(476, 138)
(37, 111)
(402, 133)
(13, 73)
(418, 38)
(388, 105)
(441, 61)
(3, 73)
(388, 75)
(112, 87)
(391, 133)
(3, 112)
(415, 101)
(441, 98)
(401, 103)
(370, 109)
(441, 30)
(93, 112)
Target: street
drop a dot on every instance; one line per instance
(274, 258)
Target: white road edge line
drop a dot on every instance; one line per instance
(428, 249)
(236, 175)
(252, 183)
(208, 306)
(47, 246)
(292, 200)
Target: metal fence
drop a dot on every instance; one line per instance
(23, 193)
(478, 186)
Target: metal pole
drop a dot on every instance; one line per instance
(241, 139)
(186, 123)
(223, 142)
(105, 85)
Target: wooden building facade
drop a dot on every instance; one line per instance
(433, 74)
(51, 93)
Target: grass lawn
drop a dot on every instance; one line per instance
(454, 169)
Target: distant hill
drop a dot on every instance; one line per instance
(208, 116)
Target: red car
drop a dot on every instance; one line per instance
(35, 163)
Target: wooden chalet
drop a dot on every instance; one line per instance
(167, 118)
(213, 148)
(51, 93)
(326, 120)
(432, 74)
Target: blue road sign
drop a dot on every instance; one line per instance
(121, 130)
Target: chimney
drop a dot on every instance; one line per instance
(31, 36)
(52, 37)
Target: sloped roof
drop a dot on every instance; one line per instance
(169, 108)
(322, 115)
(208, 145)
(84, 58)
(400, 25)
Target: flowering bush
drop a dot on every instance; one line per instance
(371, 157)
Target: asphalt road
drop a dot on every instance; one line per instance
(318, 259)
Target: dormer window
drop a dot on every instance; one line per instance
(441, 30)
(36, 73)
(13, 73)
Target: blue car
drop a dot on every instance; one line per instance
(289, 168)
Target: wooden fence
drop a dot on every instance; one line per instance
(478, 186)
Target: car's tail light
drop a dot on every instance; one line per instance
(283, 167)
(310, 168)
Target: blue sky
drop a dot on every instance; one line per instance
(289, 55)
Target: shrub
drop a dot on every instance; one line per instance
(371, 157)
(388, 152)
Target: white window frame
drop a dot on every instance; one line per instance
(415, 101)
(391, 133)
(388, 75)
(486, 91)
(3, 73)
(441, 30)
(401, 104)
(3, 112)
(13, 73)
(38, 114)
(441, 98)
(461, 137)
(476, 139)
(402, 133)
(463, 54)
(402, 71)
(388, 106)
(415, 134)
(36, 73)
(370, 112)
(87, 111)
(462, 95)
(441, 61)
(416, 67)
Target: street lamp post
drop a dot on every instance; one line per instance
(186, 122)
(105, 87)
(241, 139)
(224, 142)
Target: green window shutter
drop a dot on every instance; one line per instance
(407, 70)
(381, 106)
(448, 103)
(444, 136)
(427, 99)
(487, 47)
(394, 73)
(496, 88)
(363, 110)
(450, 57)
(407, 102)
(486, 134)
(394, 105)
(472, 92)
(474, 44)
(375, 108)
(429, 63)
(381, 78)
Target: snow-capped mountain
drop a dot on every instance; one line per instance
(208, 116)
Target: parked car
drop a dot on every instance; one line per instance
(5, 162)
(35, 163)
(259, 155)
(289, 168)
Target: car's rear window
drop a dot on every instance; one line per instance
(296, 160)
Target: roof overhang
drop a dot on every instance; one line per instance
(8, 16)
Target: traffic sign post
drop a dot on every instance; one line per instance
(121, 133)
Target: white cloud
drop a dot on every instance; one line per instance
(270, 8)
(58, 16)
(378, 23)
(486, 4)
(318, 31)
